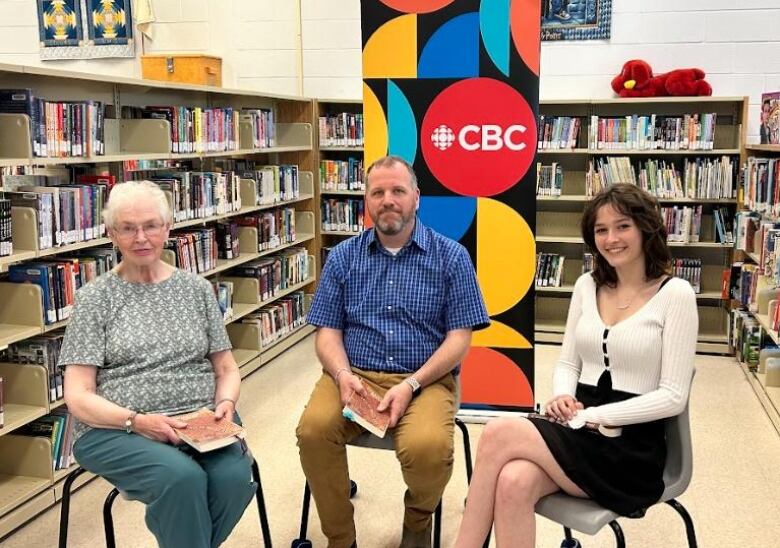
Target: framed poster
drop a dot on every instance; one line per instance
(60, 29)
(83, 29)
(576, 19)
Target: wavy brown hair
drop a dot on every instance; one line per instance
(645, 211)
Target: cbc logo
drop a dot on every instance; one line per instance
(489, 137)
(478, 137)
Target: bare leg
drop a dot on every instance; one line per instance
(502, 441)
(521, 484)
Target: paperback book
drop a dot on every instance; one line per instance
(362, 409)
(205, 432)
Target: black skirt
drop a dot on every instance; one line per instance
(623, 474)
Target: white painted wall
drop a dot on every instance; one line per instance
(258, 40)
(313, 47)
(736, 42)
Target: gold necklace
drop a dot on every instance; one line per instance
(631, 300)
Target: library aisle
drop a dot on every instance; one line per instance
(734, 497)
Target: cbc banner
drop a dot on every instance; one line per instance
(453, 87)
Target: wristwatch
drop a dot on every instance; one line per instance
(414, 383)
(129, 422)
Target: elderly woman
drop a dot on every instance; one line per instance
(146, 341)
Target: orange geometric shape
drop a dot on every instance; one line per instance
(391, 52)
(490, 378)
(525, 21)
(416, 6)
(499, 335)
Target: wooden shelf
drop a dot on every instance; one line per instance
(341, 149)
(755, 257)
(583, 198)
(244, 356)
(579, 240)
(15, 257)
(569, 288)
(301, 238)
(343, 192)
(340, 233)
(763, 148)
(638, 152)
(17, 415)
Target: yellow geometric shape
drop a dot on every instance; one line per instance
(391, 52)
(499, 335)
(506, 255)
(374, 127)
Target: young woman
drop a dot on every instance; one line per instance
(625, 365)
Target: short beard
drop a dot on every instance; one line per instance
(394, 227)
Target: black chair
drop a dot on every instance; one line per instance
(366, 439)
(108, 520)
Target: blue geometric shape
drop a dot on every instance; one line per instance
(453, 50)
(401, 125)
(494, 25)
(448, 215)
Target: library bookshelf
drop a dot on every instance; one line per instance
(558, 217)
(769, 396)
(28, 484)
(327, 151)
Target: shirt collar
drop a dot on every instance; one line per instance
(420, 237)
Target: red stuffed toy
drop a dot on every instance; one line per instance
(637, 80)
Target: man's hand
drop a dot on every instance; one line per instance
(349, 383)
(397, 400)
(225, 408)
(158, 428)
(563, 407)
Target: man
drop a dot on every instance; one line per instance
(395, 309)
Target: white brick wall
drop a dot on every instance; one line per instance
(736, 43)
(313, 47)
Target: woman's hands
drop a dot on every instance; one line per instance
(563, 407)
(158, 427)
(225, 408)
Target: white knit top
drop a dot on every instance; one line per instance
(651, 353)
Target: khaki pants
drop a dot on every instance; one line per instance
(423, 444)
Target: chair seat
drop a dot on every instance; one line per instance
(367, 439)
(582, 515)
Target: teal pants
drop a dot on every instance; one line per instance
(192, 499)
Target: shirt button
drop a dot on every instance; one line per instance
(390, 282)
(389, 307)
(391, 332)
(390, 358)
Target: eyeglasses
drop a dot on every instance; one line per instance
(149, 229)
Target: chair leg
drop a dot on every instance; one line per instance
(108, 520)
(619, 538)
(261, 506)
(305, 511)
(690, 532)
(65, 506)
(466, 447)
(437, 526)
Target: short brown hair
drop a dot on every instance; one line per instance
(645, 211)
(390, 161)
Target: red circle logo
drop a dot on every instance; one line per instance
(479, 137)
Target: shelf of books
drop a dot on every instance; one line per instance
(241, 171)
(341, 187)
(685, 152)
(755, 275)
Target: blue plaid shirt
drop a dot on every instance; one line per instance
(394, 311)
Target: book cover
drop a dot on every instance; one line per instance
(205, 433)
(362, 409)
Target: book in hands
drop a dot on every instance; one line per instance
(362, 409)
(206, 433)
